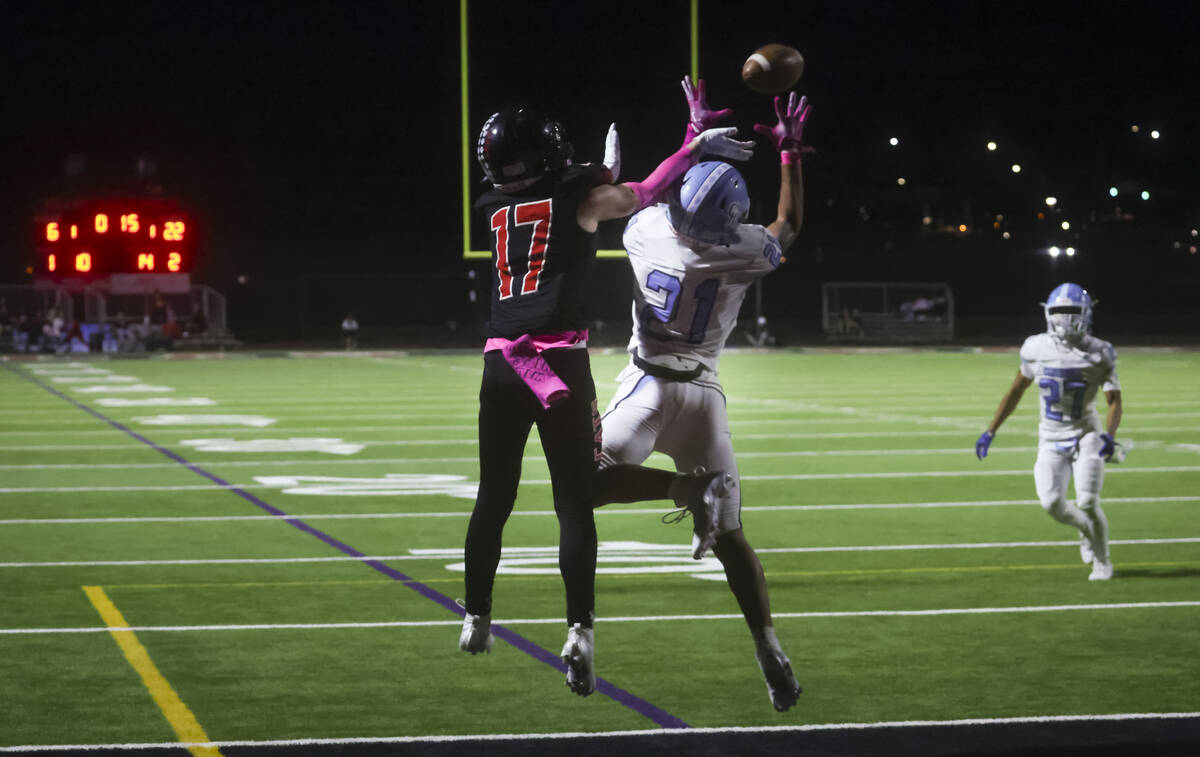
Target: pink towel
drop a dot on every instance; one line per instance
(523, 356)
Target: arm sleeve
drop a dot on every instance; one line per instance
(1111, 382)
(1027, 358)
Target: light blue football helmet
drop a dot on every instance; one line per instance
(711, 202)
(1068, 313)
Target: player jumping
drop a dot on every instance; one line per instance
(543, 212)
(1070, 366)
(693, 260)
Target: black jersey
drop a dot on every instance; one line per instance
(541, 258)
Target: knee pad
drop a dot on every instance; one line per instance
(1088, 500)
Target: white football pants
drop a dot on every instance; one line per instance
(685, 420)
(1056, 462)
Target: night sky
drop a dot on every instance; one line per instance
(319, 133)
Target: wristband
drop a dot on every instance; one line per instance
(788, 157)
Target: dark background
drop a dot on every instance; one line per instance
(318, 144)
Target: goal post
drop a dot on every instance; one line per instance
(887, 311)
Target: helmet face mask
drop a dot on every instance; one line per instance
(1068, 312)
(516, 147)
(710, 203)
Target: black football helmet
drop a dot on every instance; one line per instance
(517, 145)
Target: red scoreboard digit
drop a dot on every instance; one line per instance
(100, 237)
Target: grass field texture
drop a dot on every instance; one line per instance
(283, 536)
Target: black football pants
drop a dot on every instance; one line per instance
(569, 434)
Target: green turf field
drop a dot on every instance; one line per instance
(909, 580)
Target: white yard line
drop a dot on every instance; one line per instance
(620, 619)
(613, 736)
(608, 511)
(982, 472)
(440, 556)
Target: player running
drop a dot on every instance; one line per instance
(1070, 366)
(543, 212)
(693, 260)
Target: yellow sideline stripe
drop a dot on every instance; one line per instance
(182, 721)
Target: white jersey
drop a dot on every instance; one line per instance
(686, 303)
(1068, 378)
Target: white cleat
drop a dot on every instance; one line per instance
(1101, 571)
(476, 634)
(1085, 549)
(777, 672)
(579, 655)
(703, 500)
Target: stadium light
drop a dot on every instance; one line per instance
(1154, 134)
(1054, 251)
(1066, 225)
(1052, 201)
(1006, 235)
(1195, 233)
(1145, 195)
(1135, 129)
(1112, 192)
(962, 227)
(1016, 168)
(1070, 252)
(901, 181)
(991, 146)
(893, 141)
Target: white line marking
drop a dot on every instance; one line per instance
(546, 482)
(518, 552)
(621, 619)
(664, 733)
(548, 513)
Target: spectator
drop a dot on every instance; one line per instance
(350, 332)
(127, 341)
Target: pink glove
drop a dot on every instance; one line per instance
(788, 134)
(700, 118)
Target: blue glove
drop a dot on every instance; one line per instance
(1110, 445)
(981, 446)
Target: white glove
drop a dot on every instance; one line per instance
(612, 152)
(721, 142)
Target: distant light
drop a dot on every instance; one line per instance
(1196, 232)
(991, 146)
(1154, 134)
(1016, 168)
(1134, 129)
(999, 216)
(1041, 216)
(1052, 201)
(1178, 245)
(1070, 251)
(1192, 249)
(1112, 192)
(996, 225)
(893, 141)
(901, 181)
(1054, 252)
(1145, 195)
(1066, 225)
(1006, 235)
(927, 220)
(962, 227)
(242, 279)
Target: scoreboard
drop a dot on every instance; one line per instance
(91, 238)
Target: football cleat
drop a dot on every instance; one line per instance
(777, 672)
(1101, 571)
(579, 655)
(702, 498)
(1085, 549)
(476, 634)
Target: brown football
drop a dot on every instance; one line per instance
(773, 69)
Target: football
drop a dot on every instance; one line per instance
(773, 69)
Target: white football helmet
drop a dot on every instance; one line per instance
(1068, 313)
